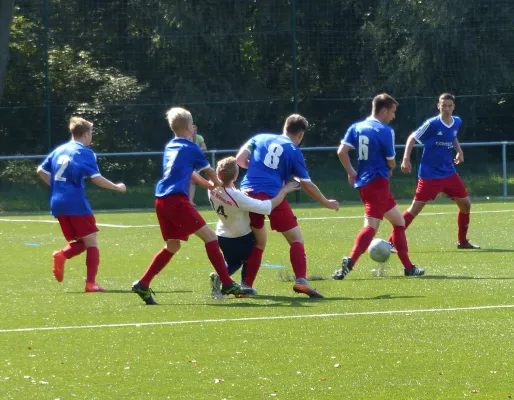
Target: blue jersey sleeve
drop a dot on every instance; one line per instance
(350, 138)
(200, 161)
(46, 166)
(299, 167)
(424, 132)
(88, 164)
(388, 144)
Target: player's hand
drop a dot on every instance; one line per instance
(247, 191)
(210, 185)
(406, 166)
(291, 187)
(332, 205)
(352, 177)
(459, 158)
(121, 187)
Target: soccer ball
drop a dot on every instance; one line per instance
(379, 250)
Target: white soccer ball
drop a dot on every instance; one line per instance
(379, 250)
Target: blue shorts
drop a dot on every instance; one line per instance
(236, 250)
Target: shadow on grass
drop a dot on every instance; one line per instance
(428, 277)
(462, 251)
(131, 292)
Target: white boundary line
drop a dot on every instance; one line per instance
(282, 317)
(47, 221)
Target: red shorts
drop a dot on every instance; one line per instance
(177, 217)
(77, 226)
(452, 186)
(377, 198)
(281, 218)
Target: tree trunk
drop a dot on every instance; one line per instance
(6, 14)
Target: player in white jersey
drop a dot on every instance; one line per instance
(235, 235)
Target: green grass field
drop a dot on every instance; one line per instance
(448, 335)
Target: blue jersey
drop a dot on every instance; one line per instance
(181, 157)
(438, 138)
(374, 142)
(68, 166)
(274, 160)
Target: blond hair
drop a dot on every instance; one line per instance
(295, 124)
(227, 169)
(78, 126)
(179, 118)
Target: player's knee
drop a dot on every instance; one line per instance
(173, 246)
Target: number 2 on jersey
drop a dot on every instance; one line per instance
(363, 147)
(63, 161)
(273, 156)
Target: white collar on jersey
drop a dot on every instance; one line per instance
(448, 126)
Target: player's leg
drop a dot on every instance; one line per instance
(92, 263)
(426, 191)
(218, 262)
(455, 189)
(395, 217)
(74, 248)
(463, 218)
(299, 262)
(254, 260)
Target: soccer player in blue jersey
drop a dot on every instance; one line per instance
(373, 140)
(178, 219)
(65, 170)
(437, 172)
(271, 161)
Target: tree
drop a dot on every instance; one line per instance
(6, 13)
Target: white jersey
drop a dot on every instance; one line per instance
(233, 208)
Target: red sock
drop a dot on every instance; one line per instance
(362, 243)
(252, 265)
(218, 262)
(92, 262)
(160, 260)
(463, 222)
(73, 249)
(408, 217)
(298, 259)
(400, 244)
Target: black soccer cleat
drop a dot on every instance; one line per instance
(414, 271)
(467, 245)
(346, 267)
(393, 249)
(144, 292)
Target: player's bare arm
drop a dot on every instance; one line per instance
(45, 176)
(344, 157)
(243, 158)
(406, 164)
(105, 183)
(313, 191)
(213, 177)
(198, 179)
(459, 157)
(286, 189)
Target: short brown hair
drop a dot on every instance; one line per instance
(78, 126)
(447, 96)
(295, 124)
(227, 169)
(179, 118)
(382, 100)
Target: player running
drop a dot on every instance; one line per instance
(65, 171)
(178, 219)
(437, 172)
(272, 160)
(235, 236)
(373, 140)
